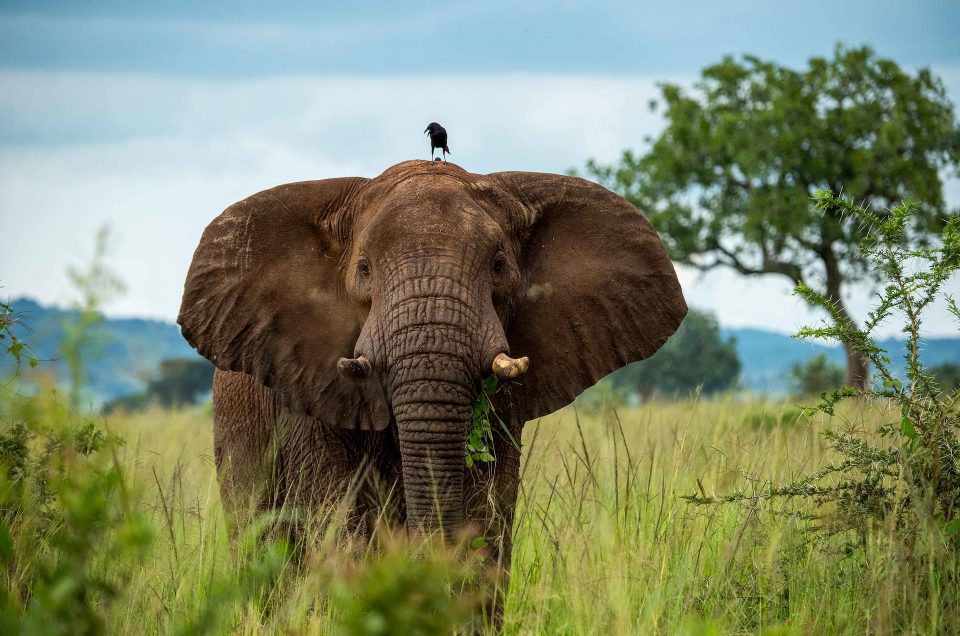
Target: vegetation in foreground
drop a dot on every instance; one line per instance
(121, 538)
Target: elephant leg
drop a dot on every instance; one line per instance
(245, 446)
(332, 475)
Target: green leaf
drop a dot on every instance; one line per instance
(907, 428)
(469, 460)
(478, 543)
(475, 439)
(952, 528)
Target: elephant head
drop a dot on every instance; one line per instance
(370, 303)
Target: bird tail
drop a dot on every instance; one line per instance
(447, 150)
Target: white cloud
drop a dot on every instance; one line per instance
(158, 157)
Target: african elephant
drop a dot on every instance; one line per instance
(353, 320)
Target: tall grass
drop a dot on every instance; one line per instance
(603, 542)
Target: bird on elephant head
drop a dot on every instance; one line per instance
(353, 322)
(438, 139)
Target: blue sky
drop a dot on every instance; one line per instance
(153, 117)
(247, 39)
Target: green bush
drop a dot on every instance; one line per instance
(947, 376)
(396, 591)
(179, 381)
(766, 419)
(817, 375)
(69, 524)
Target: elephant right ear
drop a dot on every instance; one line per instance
(265, 296)
(600, 290)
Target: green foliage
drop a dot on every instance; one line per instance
(261, 566)
(947, 376)
(398, 592)
(479, 445)
(9, 342)
(694, 358)
(729, 181)
(904, 475)
(815, 376)
(67, 514)
(71, 531)
(179, 381)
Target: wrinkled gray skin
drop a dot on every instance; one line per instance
(428, 272)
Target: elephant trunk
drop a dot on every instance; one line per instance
(432, 418)
(434, 341)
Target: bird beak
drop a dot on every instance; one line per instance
(426, 131)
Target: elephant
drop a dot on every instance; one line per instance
(353, 321)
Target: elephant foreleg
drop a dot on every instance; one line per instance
(245, 446)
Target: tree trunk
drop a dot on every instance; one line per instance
(858, 367)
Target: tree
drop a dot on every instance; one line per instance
(947, 376)
(696, 356)
(817, 375)
(180, 381)
(730, 181)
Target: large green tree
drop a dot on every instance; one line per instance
(730, 180)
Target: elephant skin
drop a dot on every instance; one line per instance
(418, 279)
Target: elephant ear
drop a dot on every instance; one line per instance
(265, 296)
(600, 291)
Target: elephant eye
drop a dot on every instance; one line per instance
(499, 262)
(363, 267)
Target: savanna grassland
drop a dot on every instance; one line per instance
(605, 544)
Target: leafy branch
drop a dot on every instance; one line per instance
(11, 344)
(479, 445)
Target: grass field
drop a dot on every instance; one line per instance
(604, 543)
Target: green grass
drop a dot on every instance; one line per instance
(603, 542)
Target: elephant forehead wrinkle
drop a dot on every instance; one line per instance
(437, 273)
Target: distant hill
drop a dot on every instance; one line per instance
(131, 353)
(766, 356)
(134, 348)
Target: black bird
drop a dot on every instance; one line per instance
(438, 139)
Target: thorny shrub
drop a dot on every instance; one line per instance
(905, 475)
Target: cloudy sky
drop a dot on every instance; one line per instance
(153, 117)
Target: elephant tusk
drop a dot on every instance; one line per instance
(508, 368)
(354, 368)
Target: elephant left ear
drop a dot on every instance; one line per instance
(265, 295)
(599, 290)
